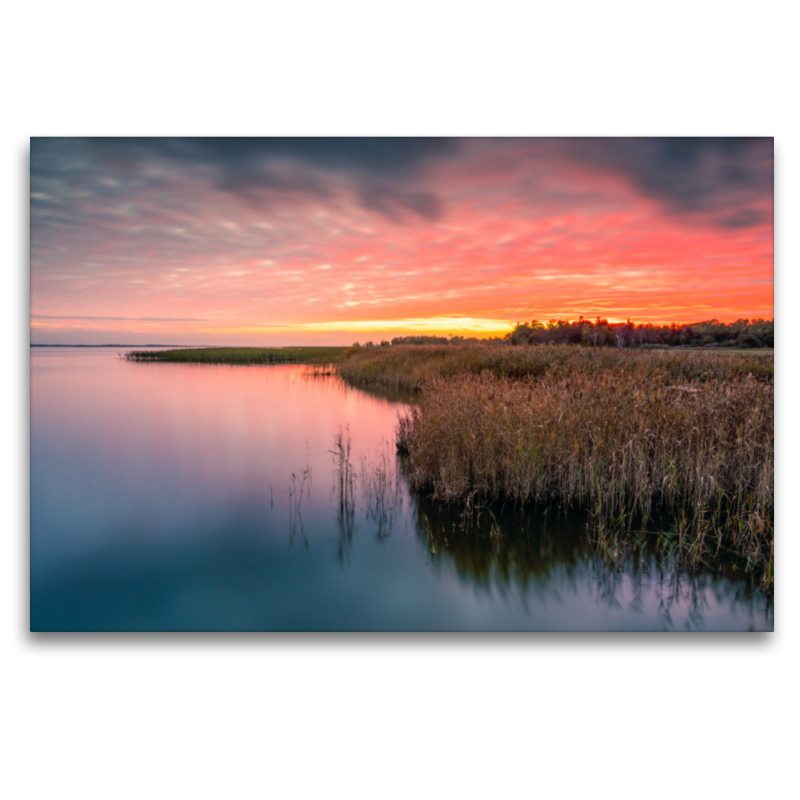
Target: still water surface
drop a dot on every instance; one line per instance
(170, 497)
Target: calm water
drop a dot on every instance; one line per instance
(188, 497)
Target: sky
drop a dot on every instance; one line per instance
(329, 241)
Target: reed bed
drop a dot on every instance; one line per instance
(410, 367)
(242, 355)
(684, 443)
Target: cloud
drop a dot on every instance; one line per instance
(381, 171)
(233, 232)
(123, 319)
(745, 218)
(725, 181)
(392, 203)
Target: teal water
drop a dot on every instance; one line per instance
(170, 497)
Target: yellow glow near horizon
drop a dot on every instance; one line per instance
(441, 326)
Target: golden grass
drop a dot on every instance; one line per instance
(632, 437)
(410, 367)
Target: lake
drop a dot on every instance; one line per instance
(182, 497)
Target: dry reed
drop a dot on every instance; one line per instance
(410, 367)
(632, 437)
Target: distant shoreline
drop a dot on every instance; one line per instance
(123, 345)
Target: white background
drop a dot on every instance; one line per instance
(395, 716)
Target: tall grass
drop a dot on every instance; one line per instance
(242, 355)
(683, 441)
(410, 367)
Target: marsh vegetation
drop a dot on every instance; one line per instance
(675, 444)
(410, 367)
(223, 527)
(680, 445)
(242, 355)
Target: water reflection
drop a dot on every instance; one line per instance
(501, 546)
(193, 497)
(542, 557)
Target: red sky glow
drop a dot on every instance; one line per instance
(280, 242)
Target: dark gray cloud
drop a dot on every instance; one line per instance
(392, 203)
(382, 170)
(745, 218)
(374, 157)
(725, 181)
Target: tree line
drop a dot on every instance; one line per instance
(424, 340)
(744, 333)
(602, 333)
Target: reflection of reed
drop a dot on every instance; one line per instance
(319, 371)
(345, 522)
(377, 489)
(506, 548)
(295, 493)
(529, 554)
(296, 526)
(381, 488)
(626, 575)
(344, 474)
(343, 490)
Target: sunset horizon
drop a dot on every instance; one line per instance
(316, 335)
(278, 242)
